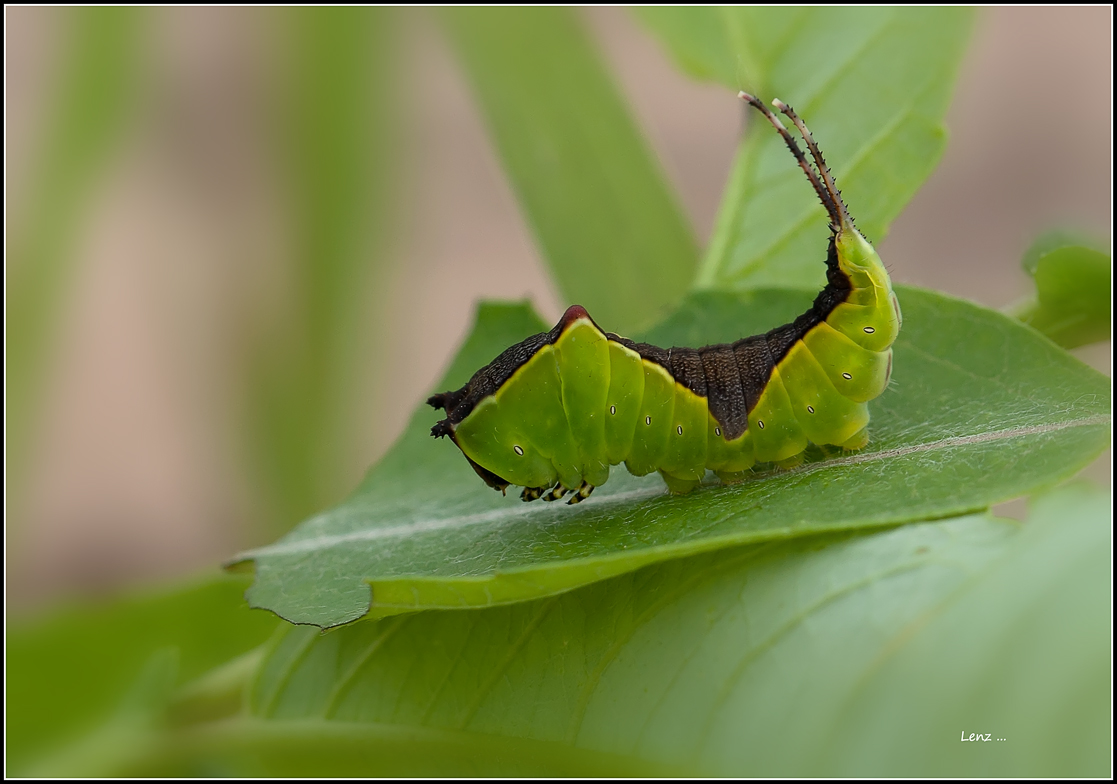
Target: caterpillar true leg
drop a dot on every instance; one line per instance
(582, 494)
(532, 493)
(555, 493)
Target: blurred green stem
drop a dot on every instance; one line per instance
(334, 154)
(606, 219)
(91, 106)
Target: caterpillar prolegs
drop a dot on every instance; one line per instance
(554, 412)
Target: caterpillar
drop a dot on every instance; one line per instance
(555, 412)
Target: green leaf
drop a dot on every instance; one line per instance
(1073, 281)
(981, 410)
(847, 655)
(333, 148)
(873, 84)
(68, 670)
(600, 207)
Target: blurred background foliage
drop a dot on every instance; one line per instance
(242, 243)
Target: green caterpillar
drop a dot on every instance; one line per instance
(553, 413)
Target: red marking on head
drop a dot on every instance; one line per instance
(572, 314)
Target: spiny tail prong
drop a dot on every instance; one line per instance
(816, 153)
(804, 164)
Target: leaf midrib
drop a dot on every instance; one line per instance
(303, 546)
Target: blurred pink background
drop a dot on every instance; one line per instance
(137, 472)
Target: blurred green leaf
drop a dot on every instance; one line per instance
(873, 84)
(1073, 277)
(87, 120)
(846, 655)
(1057, 239)
(603, 213)
(315, 749)
(334, 148)
(76, 667)
(968, 422)
(114, 740)
(700, 39)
